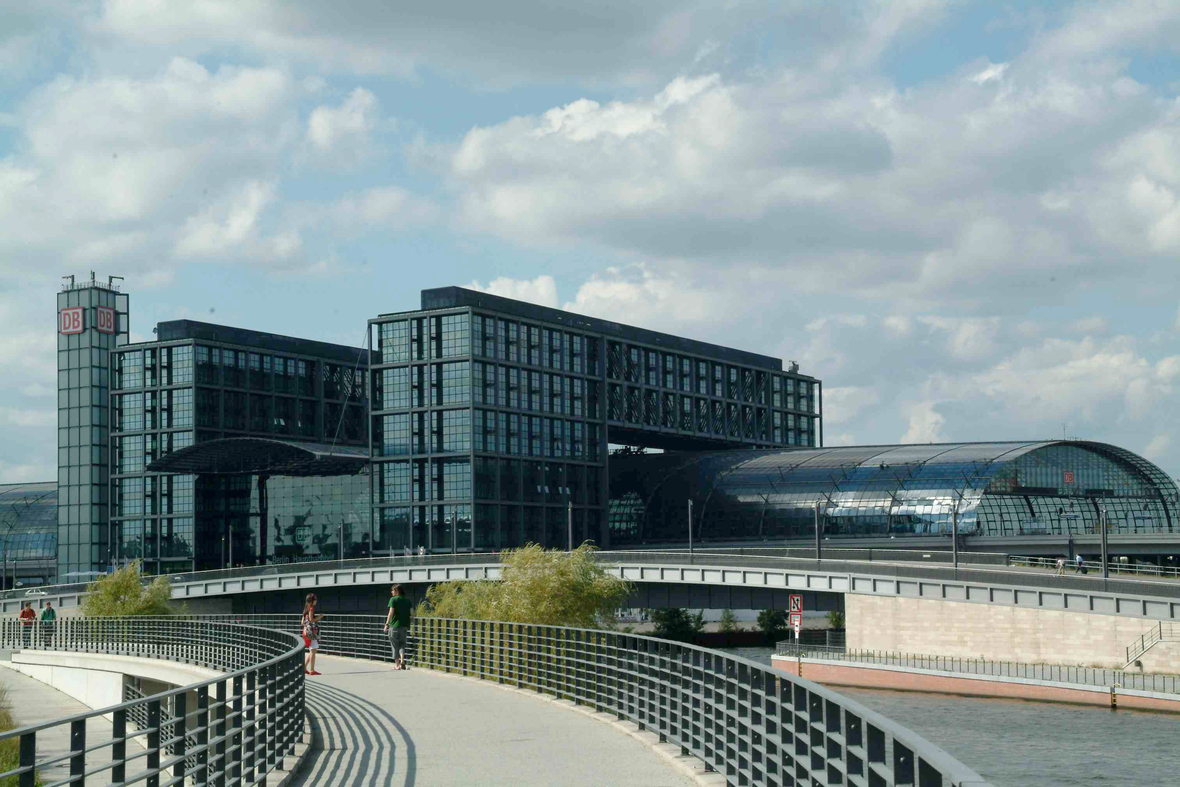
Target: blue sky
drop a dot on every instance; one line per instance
(963, 217)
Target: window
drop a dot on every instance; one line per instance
(455, 382)
(180, 365)
(395, 431)
(455, 476)
(208, 407)
(130, 415)
(455, 336)
(130, 454)
(455, 431)
(130, 370)
(394, 341)
(395, 388)
(395, 482)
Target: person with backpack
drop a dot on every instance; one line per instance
(397, 626)
(48, 624)
(310, 627)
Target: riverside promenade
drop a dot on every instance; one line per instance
(374, 726)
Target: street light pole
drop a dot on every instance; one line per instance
(818, 548)
(690, 527)
(1102, 524)
(955, 535)
(569, 518)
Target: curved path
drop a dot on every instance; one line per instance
(375, 726)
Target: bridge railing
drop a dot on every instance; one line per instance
(747, 721)
(234, 729)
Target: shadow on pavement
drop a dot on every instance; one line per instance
(355, 743)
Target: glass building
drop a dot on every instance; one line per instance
(990, 489)
(250, 407)
(491, 417)
(92, 322)
(28, 533)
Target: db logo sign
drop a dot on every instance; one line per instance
(106, 320)
(70, 320)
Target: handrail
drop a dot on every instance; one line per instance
(747, 721)
(248, 718)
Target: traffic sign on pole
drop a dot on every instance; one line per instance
(796, 603)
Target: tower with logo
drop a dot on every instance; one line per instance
(91, 321)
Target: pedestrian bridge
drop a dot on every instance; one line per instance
(890, 604)
(717, 718)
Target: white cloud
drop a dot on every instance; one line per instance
(541, 290)
(843, 404)
(344, 131)
(1158, 447)
(993, 73)
(924, 424)
(229, 223)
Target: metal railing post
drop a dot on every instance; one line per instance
(179, 730)
(78, 753)
(153, 743)
(119, 746)
(28, 760)
(201, 772)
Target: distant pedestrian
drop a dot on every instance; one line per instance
(1078, 566)
(421, 554)
(406, 551)
(48, 624)
(27, 618)
(1060, 567)
(310, 626)
(397, 625)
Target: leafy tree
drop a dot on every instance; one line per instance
(836, 619)
(123, 594)
(677, 623)
(773, 622)
(547, 587)
(728, 622)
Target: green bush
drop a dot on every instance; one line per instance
(123, 594)
(546, 587)
(728, 623)
(836, 619)
(677, 624)
(773, 623)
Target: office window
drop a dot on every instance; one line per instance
(180, 365)
(455, 475)
(455, 383)
(455, 431)
(395, 486)
(395, 388)
(455, 335)
(394, 341)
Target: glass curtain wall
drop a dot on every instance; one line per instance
(882, 491)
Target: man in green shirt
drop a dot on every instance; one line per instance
(397, 625)
(48, 624)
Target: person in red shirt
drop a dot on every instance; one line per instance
(27, 618)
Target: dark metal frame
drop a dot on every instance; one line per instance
(751, 723)
(243, 724)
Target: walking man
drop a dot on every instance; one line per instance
(48, 624)
(397, 625)
(1078, 566)
(1060, 567)
(27, 618)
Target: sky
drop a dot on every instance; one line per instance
(964, 217)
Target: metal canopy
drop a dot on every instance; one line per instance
(263, 456)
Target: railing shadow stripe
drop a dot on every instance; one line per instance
(376, 716)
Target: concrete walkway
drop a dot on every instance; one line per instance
(379, 727)
(34, 702)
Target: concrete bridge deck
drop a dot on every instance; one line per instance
(374, 726)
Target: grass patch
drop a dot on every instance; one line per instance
(9, 747)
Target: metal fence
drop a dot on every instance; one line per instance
(231, 730)
(747, 721)
(1056, 673)
(1114, 566)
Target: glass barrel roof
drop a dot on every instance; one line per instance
(893, 490)
(28, 521)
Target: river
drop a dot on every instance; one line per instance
(1013, 743)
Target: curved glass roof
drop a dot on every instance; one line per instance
(994, 488)
(28, 521)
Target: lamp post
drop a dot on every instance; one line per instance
(1102, 526)
(569, 517)
(818, 548)
(955, 535)
(690, 528)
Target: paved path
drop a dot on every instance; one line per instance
(34, 702)
(378, 727)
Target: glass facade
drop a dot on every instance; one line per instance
(993, 489)
(92, 323)
(208, 382)
(28, 533)
(491, 417)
